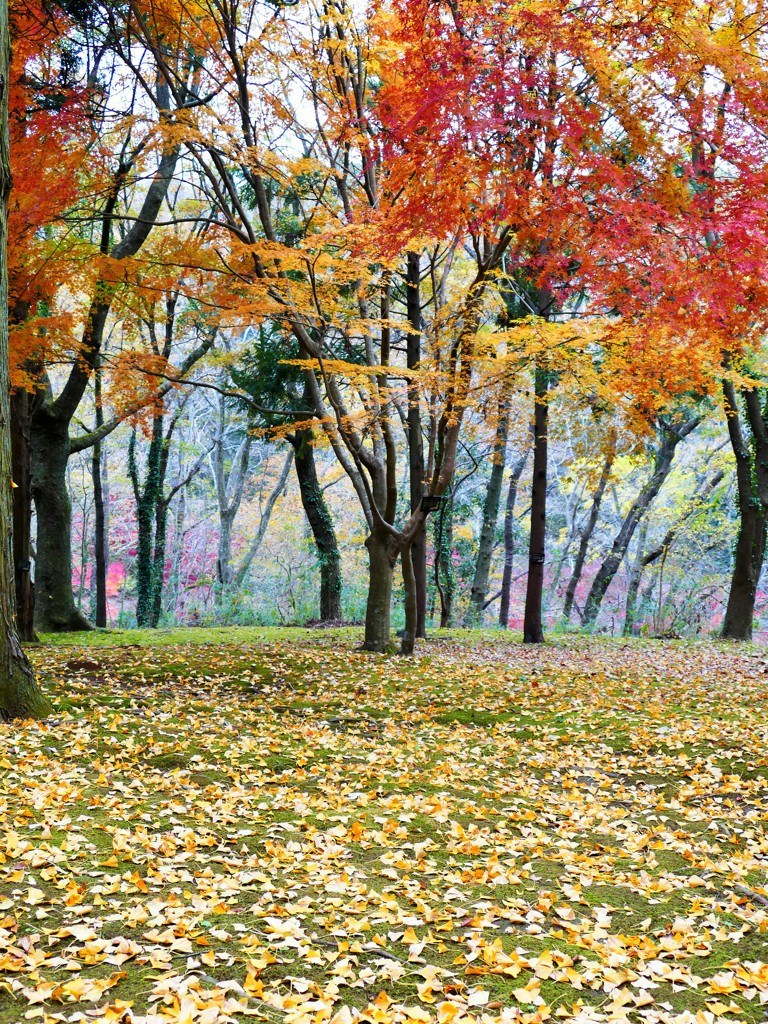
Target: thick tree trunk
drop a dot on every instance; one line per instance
(669, 439)
(533, 625)
(19, 693)
(747, 565)
(751, 476)
(415, 444)
(509, 540)
(55, 609)
(382, 556)
(22, 514)
(320, 522)
(479, 590)
(586, 533)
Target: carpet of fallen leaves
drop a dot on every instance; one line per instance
(290, 830)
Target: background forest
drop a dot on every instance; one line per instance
(307, 295)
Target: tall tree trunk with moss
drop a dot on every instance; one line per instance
(20, 696)
(752, 492)
(320, 522)
(445, 578)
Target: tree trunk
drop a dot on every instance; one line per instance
(22, 514)
(533, 626)
(55, 609)
(320, 522)
(747, 565)
(382, 556)
(509, 540)
(490, 516)
(633, 586)
(415, 444)
(100, 508)
(147, 498)
(158, 562)
(586, 532)
(669, 439)
(411, 602)
(19, 693)
(446, 585)
(751, 476)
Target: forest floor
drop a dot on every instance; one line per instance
(219, 825)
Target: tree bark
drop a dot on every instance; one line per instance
(415, 442)
(382, 556)
(587, 530)
(533, 626)
(55, 609)
(752, 491)
(20, 696)
(22, 514)
(411, 602)
(669, 438)
(479, 590)
(444, 576)
(509, 540)
(101, 512)
(320, 522)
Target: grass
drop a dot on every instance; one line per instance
(271, 822)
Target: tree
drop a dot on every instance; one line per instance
(20, 696)
(670, 431)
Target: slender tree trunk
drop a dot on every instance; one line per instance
(533, 626)
(635, 579)
(100, 543)
(418, 547)
(445, 580)
(586, 532)
(382, 556)
(320, 522)
(411, 602)
(509, 540)
(479, 590)
(20, 696)
(669, 439)
(158, 562)
(22, 514)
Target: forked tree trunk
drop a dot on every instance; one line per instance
(445, 580)
(382, 557)
(320, 522)
(20, 696)
(533, 625)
